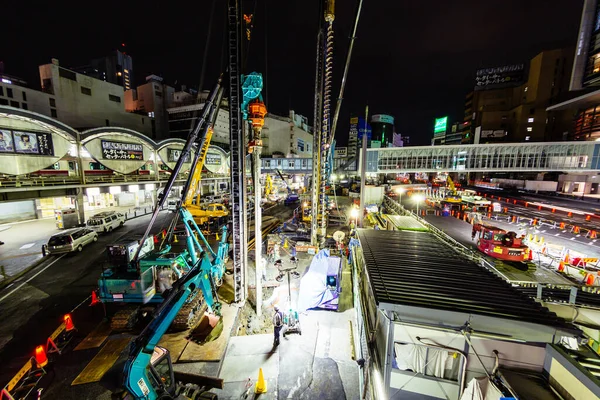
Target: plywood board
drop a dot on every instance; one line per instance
(175, 343)
(212, 351)
(95, 337)
(103, 361)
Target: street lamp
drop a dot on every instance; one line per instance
(418, 198)
(400, 190)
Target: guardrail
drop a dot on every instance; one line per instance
(472, 255)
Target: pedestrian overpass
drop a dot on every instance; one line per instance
(500, 157)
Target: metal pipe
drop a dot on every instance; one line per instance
(345, 75)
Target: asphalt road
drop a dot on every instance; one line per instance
(33, 306)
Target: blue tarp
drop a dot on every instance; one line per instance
(313, 285)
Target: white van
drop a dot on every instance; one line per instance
(172, 205)
(106, 221)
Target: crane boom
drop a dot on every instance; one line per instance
(200, 156)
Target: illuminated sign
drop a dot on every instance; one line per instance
(174, 154)
(498, 77)
(440, 125)
(112, 150)
(362, 128)
(31, 143)
(384, 119)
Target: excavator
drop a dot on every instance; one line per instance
(292, 197)
(137, 273)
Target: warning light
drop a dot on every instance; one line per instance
(40, 356)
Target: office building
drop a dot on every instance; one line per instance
(115, 68)
(382, 127)
(154, 99)
(509, 103)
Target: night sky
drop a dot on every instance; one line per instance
(415, 60)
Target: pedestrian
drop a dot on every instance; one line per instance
(277, 325)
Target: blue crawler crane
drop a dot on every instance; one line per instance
(138, 273)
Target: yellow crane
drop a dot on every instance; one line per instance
(452, 195)
(192, 198)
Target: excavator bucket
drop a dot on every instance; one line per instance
(209, 329)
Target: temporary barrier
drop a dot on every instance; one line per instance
(575, 230)
(562, 225)
(592, 234)
(61, 337)
(25, 381)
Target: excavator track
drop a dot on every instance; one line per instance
(190, 314)
(124, 319)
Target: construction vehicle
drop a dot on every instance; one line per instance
(292, 197)
(451, 196)
(213, 213)
(471, 199)
(140, 274)
(498, 243)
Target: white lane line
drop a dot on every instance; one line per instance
(27, 246)
(30, 279)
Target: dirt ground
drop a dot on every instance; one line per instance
(249, 323)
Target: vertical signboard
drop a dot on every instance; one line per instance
(440, 126)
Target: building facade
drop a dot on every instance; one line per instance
(84, 102)
(154, 99)
(115, 68)
(510, 104)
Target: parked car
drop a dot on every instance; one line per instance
(172, 205)
(106, 221)
(71, 240)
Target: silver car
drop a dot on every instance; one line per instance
(71, 240)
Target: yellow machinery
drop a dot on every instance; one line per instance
(452, 195)
(192, 199)
(268, 185)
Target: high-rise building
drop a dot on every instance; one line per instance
(115, 68)
(509, 103)
(154, 98)
(586, 65)
(353, 138)
(382, 127)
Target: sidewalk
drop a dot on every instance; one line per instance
(23, 240)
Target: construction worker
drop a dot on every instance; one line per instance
(277, 325)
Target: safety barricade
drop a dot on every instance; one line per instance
(26, 380)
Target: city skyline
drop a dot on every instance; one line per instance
(443, 52)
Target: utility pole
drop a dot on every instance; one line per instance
(363, 169)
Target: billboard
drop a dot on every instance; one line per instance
(341, 152)
(499, 77)
(382, 118)
(112, 150)
(493, 133)
(174, 154)
(440, 125)
(362, 128)
(31, 143)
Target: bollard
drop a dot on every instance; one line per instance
(43, 251)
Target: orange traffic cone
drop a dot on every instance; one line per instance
(95, 299)
(69, 326)
(529, 255)
(261, 384)
(566, 259)
(561, 266)
(40, 356)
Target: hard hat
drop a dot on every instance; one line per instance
(276, 307)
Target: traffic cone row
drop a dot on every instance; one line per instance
(41, 351)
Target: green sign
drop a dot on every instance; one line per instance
(440, 125)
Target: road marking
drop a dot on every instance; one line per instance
(572, 238)
(557, 234)
(30, 279)
(27, 246)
